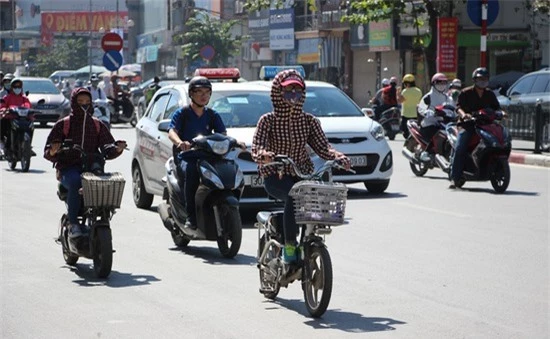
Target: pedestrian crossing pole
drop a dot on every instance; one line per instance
(483, 43)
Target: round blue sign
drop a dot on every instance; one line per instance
(207, 52)
(474, 11)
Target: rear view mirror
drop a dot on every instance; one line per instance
(164, 125)
(26, 93)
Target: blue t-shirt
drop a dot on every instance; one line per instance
(194, 125)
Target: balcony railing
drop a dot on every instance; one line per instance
(320, 20)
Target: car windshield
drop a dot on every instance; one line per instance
(40, 87)
(244, 109)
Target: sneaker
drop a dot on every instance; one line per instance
(190, 225)
(75, 231)
(425, 156)
(289, 254)
(457, 184)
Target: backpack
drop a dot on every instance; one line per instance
(185, 111)
(67, 125)
(387, 97)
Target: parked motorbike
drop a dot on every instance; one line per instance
(390, 119)
(101, 196)
(122, 110)
(488, 151)
(21, 130)
(318, 206)
(217, 198)
(416, 143)
(102, 111)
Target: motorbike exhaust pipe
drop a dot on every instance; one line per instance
(167, 221)
(442, 163)
(409, 155)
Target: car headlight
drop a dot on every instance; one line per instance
(377, 132)
(219, 147)
(211, 176)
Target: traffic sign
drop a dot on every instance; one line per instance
(111, 42)
(473, 7)
(207, 52)
(112, 60)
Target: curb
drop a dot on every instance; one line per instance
(530, 159)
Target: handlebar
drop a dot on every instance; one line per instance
(281, 160)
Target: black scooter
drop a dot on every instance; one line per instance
(122, 110)
(217, 198)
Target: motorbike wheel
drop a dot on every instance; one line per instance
(133, 122)
(418, 169)
(103, 252)
(500, 178)
(142, 199)
(265, 282)
(317, 283)
(230, 241)
(68, 256)
(179, 240)
(391, 135)
(26, 156)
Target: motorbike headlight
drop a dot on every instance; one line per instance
(377, 132)
(219, 147)
(238, 178)
(212, 177)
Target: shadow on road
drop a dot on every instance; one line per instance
(116, 279)
(18, 171)
(341, 320)
(491, 191)
(212, 256)
(357, 194)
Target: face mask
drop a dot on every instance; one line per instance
(292, 97)
(441, 87)
(17, 91)
(481, 83)
(7, 86)
(84, 107)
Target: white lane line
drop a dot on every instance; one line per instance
(434, 210)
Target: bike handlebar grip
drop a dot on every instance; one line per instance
(280, 158)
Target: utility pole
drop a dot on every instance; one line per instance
(90, 39)
(483, 42)
(13, 35)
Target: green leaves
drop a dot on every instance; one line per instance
(66, 54)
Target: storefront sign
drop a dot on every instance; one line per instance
(281, 29)
(57, 22)
(447, 51)
(380, 36)
(359, 36)
(308, 51)
(258, 25)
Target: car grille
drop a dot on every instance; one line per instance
(353, 140)
(372, 162)
(46, 107)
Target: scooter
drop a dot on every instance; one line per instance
(390, 119)
(122, 110)
(488, 150)
(417, 143)
(21, 130)
(217, 198)
(101, 196)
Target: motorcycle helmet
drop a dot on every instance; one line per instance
(439, 77)
(7, 78)
(16, 80)
(408, 78)
(393, 81)
(199, 82)
(480, 72)
(385, 82)
(456, 83)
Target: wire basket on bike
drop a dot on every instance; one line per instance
(317, 202)
(103, 190)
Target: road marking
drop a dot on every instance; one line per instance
(434, 210)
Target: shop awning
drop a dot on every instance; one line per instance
(331, 52)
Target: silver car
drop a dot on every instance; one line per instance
(240, 106)
(54, 105)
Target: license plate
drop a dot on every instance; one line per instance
(358, 160)
(395, 127)
(254, 181)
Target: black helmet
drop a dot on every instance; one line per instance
(480, 72)
(199, 82)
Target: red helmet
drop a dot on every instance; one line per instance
(439, 77)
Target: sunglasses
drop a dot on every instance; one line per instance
(441, 82)
(292, 88)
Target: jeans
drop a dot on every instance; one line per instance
(404, 127)
(279, 189)
(70, 179)
(192, 181)
(461, 149)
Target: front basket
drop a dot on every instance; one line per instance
(102, 190)
(317, 202)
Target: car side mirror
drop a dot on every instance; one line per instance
(26, 93)
(164, 125)
(367, 112)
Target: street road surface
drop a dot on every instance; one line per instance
(420, 261)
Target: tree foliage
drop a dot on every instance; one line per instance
(204, 30)
(66, 54)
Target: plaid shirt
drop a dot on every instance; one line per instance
(287, 130)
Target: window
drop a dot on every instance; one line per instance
(240, 109)
(173, 105)
(40, 87)
(541, 83)
(159, 106)
(523, 86)
(329, 102)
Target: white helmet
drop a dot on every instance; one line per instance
(456, 83)
(385, 82)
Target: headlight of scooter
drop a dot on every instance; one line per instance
(377, 132)
(211, 176)
(219, 147)
(238, 178)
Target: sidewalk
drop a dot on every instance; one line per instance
(522, 153)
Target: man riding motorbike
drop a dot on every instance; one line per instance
(287, 130)
(187, 123)
(92, 136)
(124, 101)
(15, 98)
(5, 86)
(99, 99)
(471, 99)
(435, 97)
